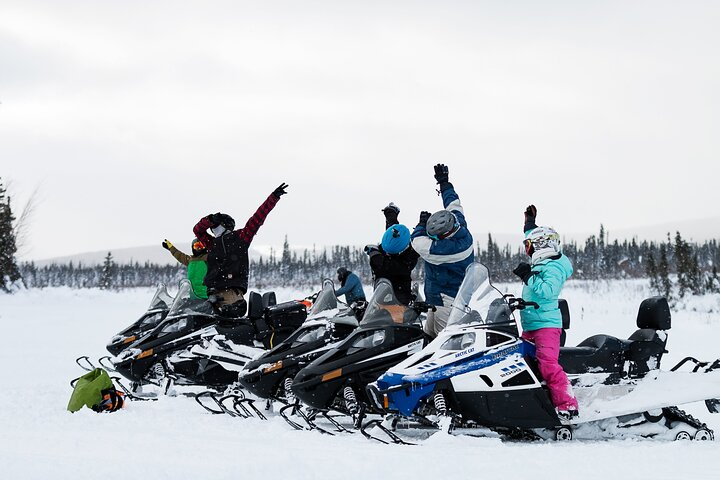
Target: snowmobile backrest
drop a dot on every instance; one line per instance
(654, 313)
(255, 305)
(564, 312)
(268, 299)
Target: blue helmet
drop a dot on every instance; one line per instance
(396, 239)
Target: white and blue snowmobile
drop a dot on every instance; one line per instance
(479, 377)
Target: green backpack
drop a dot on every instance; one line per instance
(95, 390)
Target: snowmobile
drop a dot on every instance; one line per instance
(336, 381)
(270, 375)
(156, 312)
(189, 321)
(226, 347)
(478, 374)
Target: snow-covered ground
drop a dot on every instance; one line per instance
(45, 330)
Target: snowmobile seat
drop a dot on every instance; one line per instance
(647, 344)
(599, 353)
(255, 305)
(269, 299)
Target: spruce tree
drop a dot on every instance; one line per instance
(107, 276)
(663, 271)
(9, 272)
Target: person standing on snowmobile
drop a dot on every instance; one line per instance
(446, 245)
(196, 264)
(350, 286)
(543, 280)
(394, 259)
(227, 260)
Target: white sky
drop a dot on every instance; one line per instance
(136, 118)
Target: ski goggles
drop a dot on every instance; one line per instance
(198, 245)
(529, 249)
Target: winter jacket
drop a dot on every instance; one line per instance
(397, 269)
(196, 270)
(352, 289)
(227, 258)
(543, 287)
(446, 259)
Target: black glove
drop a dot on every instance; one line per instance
(391, 211)
(530, 213)
(215, 219)
(441, 173)
(369, 249)
(424, 218)
(524, 271)
(280, 191)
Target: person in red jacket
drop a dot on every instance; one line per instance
(227, 258)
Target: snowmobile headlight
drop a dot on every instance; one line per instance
(459, 342)
(275, 366)
(378, 338)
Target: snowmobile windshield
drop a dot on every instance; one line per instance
(187, 303)
(478, 301)
(162, 299)
(385, 309)
(326, 299)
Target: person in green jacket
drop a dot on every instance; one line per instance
(196, 264)
(543, 280)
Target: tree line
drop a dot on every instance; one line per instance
(675, 268)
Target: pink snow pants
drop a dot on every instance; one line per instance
(547, 346)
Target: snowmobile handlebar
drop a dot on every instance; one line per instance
(519, 304)
(423, 307)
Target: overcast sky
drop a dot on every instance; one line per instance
(137, 118)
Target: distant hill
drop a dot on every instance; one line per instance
(691, 230)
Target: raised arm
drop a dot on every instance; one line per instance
(530, 214)
(179, 256)
(248, 232)
(200, 230)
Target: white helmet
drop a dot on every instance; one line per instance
(541, 243)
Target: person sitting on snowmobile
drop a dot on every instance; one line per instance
(227, 261)
(196, 264)
(394, 258)
(445, 243)
(350, 286)
(543, 280)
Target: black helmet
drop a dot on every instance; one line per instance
(442, 224)
(227, 221)
(342, 273)
(198, 247)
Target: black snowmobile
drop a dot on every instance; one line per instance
(189, 321)
(156, 312)
(270, 375)
(228, 345)
(388, 333)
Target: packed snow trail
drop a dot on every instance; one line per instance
(45, 330)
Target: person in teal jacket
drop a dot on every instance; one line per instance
(543, 281)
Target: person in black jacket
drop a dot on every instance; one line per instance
(394, 259)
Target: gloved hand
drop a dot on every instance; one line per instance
(391, 211)
(441, 173)
(424, 218)
(524, 271)
(530, 213)
(280, 191)
(215, 219)
(167, 244)
(370, 249)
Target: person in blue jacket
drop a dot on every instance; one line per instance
(543, 280)
(350, 286)
(444, 242)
